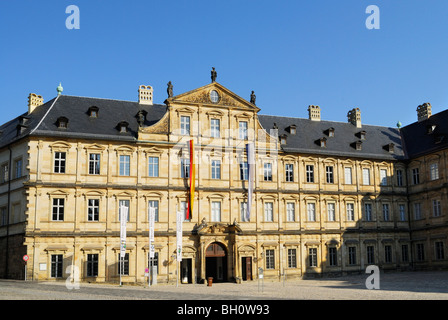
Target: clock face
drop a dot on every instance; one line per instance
(214, 96)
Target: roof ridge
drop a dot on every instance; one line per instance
(121, 100)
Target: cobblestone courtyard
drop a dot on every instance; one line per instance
(393, 286)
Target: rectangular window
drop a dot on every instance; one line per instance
(270, 259)
(244, 170)
(243, 211)
(311, 209)
(440, 254)
(268, 171)
(348, 175)
(368, 211)
(290, 211)
(386, 213)
(154, 262)
(93, 209)
(59, 162)
(242, 130)
(402, 210)
(350, 212)
(184, 125)
(333, 256)
(58, 209)
(388, 254)
(92, 265)
(125, 162)
(122, 203)
(154, 204)
(125, 263)
(56, 265)
(312, 257)
(216, 211)
(383, 177)
(4, 173)
(268, 211)
(184, 168)
(417, 211)
(310, 173)
(215, 128)
(399, 178)
(216, 169)
(370, 255)
(94, 163)
(404, 253)
(351, 255)
(331, 212)
(18, 164)
(289, 172)
(415, 176)
(329, 174)
(366, 176)
(153, 167)
(434, 171)
(420, 251)
(436, 209)
(292, 258)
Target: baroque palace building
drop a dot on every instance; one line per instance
(328, 197)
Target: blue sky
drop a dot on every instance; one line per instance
(291, 53)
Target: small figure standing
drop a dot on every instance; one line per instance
(214, 74)
(169, 90)
(253, 97)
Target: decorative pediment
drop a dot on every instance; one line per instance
(216, 228)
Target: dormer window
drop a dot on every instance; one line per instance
(430, 128)
(358, 145)
(93, 112)
(123, 127)
(283, 139)
(322, 142)
(361, 135)
(389, 147)
(292, 129)
(331, 132)
(62, 123)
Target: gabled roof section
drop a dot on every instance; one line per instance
(203, 95)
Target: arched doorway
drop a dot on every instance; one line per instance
(216, 262)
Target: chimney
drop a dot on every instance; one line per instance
(424, 111)
(145, 95)
(314, 113)
(34, 101)
(354, 117)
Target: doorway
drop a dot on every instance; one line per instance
(185, 271)
(216, 262)
(246, 266)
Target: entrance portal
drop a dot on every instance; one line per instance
(216, 262)
(246, 266)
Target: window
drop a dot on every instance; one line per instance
(216, 169)
(311, 209)
(333, 256)
(122, 203)
(18, 168)
(58, 209)
(154, 262)
(244, 170)
(368, 211)
(415, 176)
(329, 173)
(383, 177)
(399, 178)
(310, 173)
(370, 254)
(242, 130)
(56, 265)
(3, 216)
(270, 259)
(215, 128)
(351, 255)
(243, 211)
(125, 263)
(417, 211)
(184, 168)
(94, 163)
(93, 209)
(350, 212)
(184, 125)
(331, 212)
(420, 251)
(4, 173)
(290, 211)
(153, 166)
(268, 211)
(434, 171)
(388, 254)
(440, 255)
(366, 176)
(348, 175)
(386, 213)
(59, 162)
(92, 265)
(436, 211)
(404, 253)
(125, 161)
(216, 211)
(154, 204)
(402, 212)
(292, 258)
(268, 171)
(312, 257)
(289, 172)
(183, 209)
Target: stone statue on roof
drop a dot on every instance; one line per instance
(169, 90)
(253, 97)
(214, 75)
